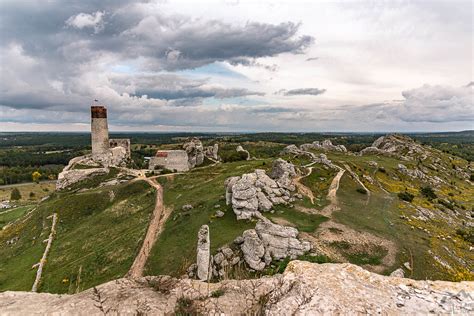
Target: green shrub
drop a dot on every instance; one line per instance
(428, 192)
(406, 196)
(361, 190)
(15, 195)
(231, 156)
(466, 233)
(217, 293)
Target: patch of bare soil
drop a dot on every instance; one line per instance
(282, 221)
(330, 234)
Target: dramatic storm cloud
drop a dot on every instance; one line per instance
(161, 65)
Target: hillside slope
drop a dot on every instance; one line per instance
(99, 231)
(397, 206)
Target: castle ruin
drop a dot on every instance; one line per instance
(170, 159)
(109, 152)
(99, 131)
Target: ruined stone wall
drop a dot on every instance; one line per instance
(170, 159)
(122, 142)
(99, 130)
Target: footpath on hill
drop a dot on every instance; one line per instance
(158, 218)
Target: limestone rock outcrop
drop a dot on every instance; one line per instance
(203, 253)
(197, 152)
(69, 177)
(194, 149)
(326, 145)
(396, 145)
(269, 241)
(321, 158)
(212, 152)
(303, 289)
(87, 166)
(254, 192)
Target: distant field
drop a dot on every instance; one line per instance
(39, 190)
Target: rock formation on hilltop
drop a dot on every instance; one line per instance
(254, 192)
(396, 145)
(303, 289)
(194, 149)
(197, 152)
(324, 145)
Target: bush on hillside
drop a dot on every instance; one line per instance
(15, 195)
(428, 192)
(406, 196)
(231, 156)
(466, 233)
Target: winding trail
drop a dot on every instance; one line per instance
(331, 196)
(302, 188)
(158, 218)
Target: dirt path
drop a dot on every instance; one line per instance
(327, 211)
(302, 188)
(158, 218)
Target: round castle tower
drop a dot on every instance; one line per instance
(99, 130)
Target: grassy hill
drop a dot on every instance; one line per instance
(98, 233)
(100, 229)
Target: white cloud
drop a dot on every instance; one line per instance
(85, 20)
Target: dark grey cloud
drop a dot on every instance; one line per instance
(172, 87)
(303, 91)
(60, 55)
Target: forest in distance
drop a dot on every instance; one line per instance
(23, 153)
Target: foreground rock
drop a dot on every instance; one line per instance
(203, 253)
(256, 192)
(269, 241)
(304, 289)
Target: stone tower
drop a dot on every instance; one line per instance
(99, 131)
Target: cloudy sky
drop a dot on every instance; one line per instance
(233, 65)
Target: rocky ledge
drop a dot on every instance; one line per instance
(305, 288)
